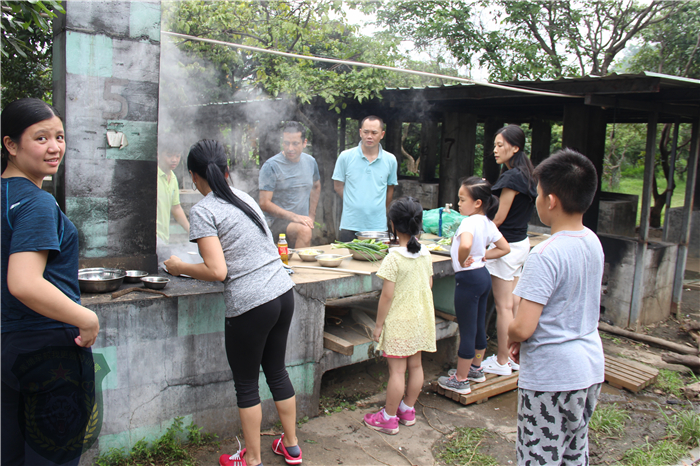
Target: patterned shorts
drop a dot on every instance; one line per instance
(553, 426)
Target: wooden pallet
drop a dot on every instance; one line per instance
(481, 392)
(624, 373)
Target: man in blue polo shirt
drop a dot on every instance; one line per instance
(364, 177)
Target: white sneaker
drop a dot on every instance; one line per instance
(513, 365)
(491, 366)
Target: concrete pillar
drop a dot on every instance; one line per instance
(491, 169)
(541, 140)
(457, 158)
(584, 131)
(106, 72)
(429, 157)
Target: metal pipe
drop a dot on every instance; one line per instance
(687, 212)
(638, 282)
(671, 182)
(370, 65)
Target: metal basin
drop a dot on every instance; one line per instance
(379, 236)
(135, 276)
(100, 280)
(330, 260)
(308, 255)
(155, 283)
(367, 256)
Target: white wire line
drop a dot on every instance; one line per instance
(368, 65)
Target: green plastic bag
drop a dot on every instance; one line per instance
(450, 222)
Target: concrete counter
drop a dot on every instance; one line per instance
(165, 357)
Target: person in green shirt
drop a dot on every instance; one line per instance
(168, 196)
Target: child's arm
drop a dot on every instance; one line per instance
(465, 246)
(502, 248)
(383, 308)
(525, 322)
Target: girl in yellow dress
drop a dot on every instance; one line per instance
(406, 316)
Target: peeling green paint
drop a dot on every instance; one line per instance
(111, 380)
(198, 315)
(128, 438)
(142, 137)
(88, 54)
(340, 288)
(90, 215)
(144, 20)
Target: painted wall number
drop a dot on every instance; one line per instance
(109, 95)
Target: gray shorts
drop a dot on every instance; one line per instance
(279, 225)
(553, 426)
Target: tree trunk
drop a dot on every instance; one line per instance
(691, 361)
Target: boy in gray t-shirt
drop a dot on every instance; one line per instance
(554, 335)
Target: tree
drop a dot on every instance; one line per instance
(526, 39)
(26, 49)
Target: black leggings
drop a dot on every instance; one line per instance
(259, 337)
(471, 294)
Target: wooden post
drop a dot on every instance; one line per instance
(541, 140)
(491, 169)
(584, 131)
(392, 139)
(429, 156)
(457, 158)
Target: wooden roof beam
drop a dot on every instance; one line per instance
(661, 107)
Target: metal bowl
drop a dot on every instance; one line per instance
(308, 255)
(380, 236)
(155, 283)
(100, 280)
(367, 256)
(135, 276)
(330, 260)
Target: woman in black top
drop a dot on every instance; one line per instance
(517, 191)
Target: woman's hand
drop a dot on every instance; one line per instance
(88, 331)
(468, 262)
(377, 332)
(174, 265)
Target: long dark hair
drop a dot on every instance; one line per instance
(480, 190)
(207, 158)
(406, 213)
(515, 136)
(20, 115)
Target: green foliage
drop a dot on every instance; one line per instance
(26, 62)
(462, 448)
(169, 449)
(524, 39)
(684, 426)
(670, 382)
(304, 27)
(608, 420)
(670, 47)
(661, 453)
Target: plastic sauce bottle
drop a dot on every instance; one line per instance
(283, 248)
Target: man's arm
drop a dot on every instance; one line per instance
(338, 186)
(273, 209)
(313, 199)
(180, 217)
(389, 195)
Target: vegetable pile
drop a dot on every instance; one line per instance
(368, 248)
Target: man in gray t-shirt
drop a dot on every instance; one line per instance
(290, 186)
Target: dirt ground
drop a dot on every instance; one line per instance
(337, 435)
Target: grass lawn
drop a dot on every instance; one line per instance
(634, 185)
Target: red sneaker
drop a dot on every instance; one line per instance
(233, 460)
(279, 449)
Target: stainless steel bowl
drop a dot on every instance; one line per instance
(330, 260)
(308, 255)
(381, 236)
(100, 280)
(155, 283)
(366, 256)
(135, 276)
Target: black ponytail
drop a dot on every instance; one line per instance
(406, 214)
(207, 158)
(480, 190)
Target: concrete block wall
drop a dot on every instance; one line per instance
(618, 279)
(106, 62)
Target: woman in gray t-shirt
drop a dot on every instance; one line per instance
(238, 249)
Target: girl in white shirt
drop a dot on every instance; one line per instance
(473, 281)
